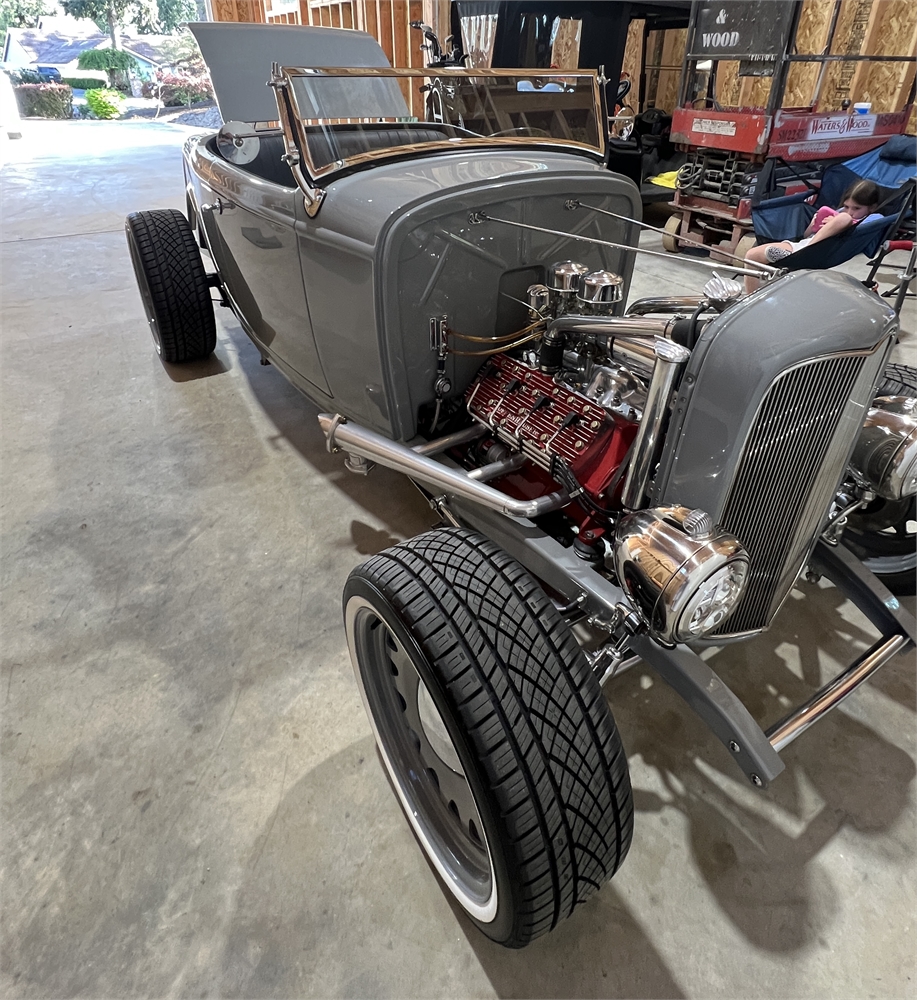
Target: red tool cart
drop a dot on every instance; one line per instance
(728, 146)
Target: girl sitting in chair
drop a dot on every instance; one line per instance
(858, 205)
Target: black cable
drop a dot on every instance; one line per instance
(578, 492)
(692, 329)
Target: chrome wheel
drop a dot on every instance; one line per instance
(492, 728)
(422, 759)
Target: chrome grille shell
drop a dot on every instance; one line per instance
(763, 426)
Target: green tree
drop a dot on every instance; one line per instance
(182, 52)
(172, 14)
(115, 62)
(21, 14)
(113, 14)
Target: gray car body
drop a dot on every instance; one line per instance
(341, 300)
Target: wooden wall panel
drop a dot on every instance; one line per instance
(438, 14)
(565, 50)
(811, 36)
(892, 31)
(812, 31)
(673, 52)
(848, 38)
(631, 63)
(876, 27)
(239, 10)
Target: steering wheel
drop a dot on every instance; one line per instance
(521, 130)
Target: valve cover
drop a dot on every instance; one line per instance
(547, 420)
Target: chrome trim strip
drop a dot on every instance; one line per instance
(312, 196)
(783, 733)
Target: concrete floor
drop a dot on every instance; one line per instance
(192, 804)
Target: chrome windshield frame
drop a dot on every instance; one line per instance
(310, 175)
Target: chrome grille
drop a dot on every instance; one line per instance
(786, 478)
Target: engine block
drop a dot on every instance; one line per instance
(546, 421)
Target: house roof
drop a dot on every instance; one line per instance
(35, 46)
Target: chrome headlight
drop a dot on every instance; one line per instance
(684, 575)
(885, 455)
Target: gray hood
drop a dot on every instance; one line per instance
(239, 57)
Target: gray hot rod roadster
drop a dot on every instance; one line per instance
(441, 261)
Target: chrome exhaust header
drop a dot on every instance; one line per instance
(366, 444)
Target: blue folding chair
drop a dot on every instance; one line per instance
(891, 166)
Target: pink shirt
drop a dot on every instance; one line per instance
(825, 213)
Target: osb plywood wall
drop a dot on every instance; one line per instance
(869, 27)
(864, 27)
(631, 65)
(565, 50)
(872, 27)
(238, 10)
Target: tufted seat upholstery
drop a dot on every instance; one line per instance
(341, 142)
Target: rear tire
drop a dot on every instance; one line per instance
(173, 284)
(493, 730)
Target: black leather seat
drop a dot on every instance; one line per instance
(339, 143)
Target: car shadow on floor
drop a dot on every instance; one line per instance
(193, 370)
(384, 493)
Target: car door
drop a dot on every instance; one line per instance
(250, 227)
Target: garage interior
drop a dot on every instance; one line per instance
(192, 802)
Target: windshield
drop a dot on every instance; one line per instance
(341, 118)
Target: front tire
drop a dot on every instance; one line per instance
(173, 284)
(883, 535)
(493, 729)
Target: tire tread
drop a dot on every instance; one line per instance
(531, 709)
(169, 262)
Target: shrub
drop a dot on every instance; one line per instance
(84, 82)
(104, 103)
(26, 75)
(175, 90)
(44, 100)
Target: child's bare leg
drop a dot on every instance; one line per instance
(759, 255)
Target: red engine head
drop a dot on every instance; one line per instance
(548, 421)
